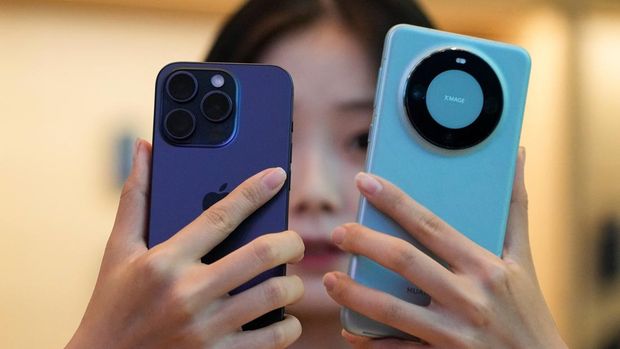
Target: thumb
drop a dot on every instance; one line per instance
(517, 243)
(129, 232)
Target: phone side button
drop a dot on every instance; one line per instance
(290, 161)
(379, 74)
(288, 180)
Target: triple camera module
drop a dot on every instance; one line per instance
(199, 107)
(454, 99)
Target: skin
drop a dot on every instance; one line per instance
(164, 297)
(318, 198)
(482, 301)
(332, 117)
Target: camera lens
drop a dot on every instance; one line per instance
(454, 99)
(179, 124)
(216, 106)
(182, 86)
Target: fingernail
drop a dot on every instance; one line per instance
(329, 281)
(349, 339)
(274, 178)
(347, 336)
(368, 184)
(338, 235)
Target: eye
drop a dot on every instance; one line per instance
(360, 141)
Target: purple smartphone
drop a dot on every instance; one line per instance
(216, 125)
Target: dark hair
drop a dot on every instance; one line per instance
(261, 22)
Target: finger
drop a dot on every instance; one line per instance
(517, 244)
(241, 265)
(417, 321)
(360, 342)
(431, 231)
(357, 342)
(246, 306)
(130, 225)
(401, 257)
(278, 335)
(217, 222)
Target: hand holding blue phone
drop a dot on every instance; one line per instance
(476, 303)
(440, 250)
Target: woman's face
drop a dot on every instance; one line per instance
(334, 90)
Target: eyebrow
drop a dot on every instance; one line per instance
(355, 105)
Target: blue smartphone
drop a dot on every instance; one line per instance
(446, 130)
(216, 125)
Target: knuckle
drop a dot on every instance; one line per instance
(179, 310)
(192, 337)
(266, 253)
(525, 201)
(278, 337)
(252, 195)
(398, 202)
(495, 277)
(219, 218)
(154, 267)
(127, 190)
(404, 256)
(478, 310)
(274, 293)
(429, 223)
(462, 342)
(130, 190)
(392, 313)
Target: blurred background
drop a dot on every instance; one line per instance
(77, 86)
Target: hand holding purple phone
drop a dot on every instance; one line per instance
(165, 297)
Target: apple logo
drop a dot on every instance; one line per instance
(211, 198)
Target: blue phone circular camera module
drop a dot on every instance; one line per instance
(454, 99)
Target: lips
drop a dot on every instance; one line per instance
(320, 255)
(320, 247)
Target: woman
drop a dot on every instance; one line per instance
(161, 298)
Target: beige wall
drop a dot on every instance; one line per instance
(598, 171)
(73, 76)
(546, 133)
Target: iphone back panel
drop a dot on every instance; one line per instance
(446, 130)
(216, 125)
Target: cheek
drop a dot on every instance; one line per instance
(351, 163)
(350, 192)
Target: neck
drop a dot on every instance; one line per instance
(320, 332)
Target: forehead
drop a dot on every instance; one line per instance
(327, 63)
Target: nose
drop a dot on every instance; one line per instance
(314, 187)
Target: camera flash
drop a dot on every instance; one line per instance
(461, 60)
(217, 81)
